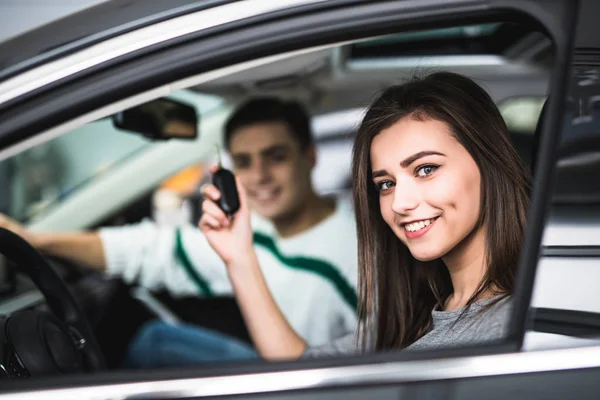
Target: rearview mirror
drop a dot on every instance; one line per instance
(160, 119)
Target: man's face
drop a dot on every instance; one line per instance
(273, 168)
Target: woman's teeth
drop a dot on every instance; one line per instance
(415, 226)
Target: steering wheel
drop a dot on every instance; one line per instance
(38, 343)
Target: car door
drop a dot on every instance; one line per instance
(40, 101)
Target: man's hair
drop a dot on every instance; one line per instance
(271, 109)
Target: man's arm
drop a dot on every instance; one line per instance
(84, 248)
(144, 253)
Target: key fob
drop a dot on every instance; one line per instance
(229, 201)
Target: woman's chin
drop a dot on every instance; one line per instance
(425, 256)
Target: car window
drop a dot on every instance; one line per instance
(335, 85)
(335, 92)
(48, 174)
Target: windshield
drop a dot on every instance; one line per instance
(47, 174)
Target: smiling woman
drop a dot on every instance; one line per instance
(433, 213)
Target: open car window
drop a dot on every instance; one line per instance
(338, 79)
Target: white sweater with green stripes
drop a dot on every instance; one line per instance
(312, 275)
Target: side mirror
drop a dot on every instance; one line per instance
(160, 119)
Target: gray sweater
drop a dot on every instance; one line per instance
(475, 326)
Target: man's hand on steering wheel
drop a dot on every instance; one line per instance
(16, 227)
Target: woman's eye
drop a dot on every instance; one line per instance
(426, 170)
(383, 185)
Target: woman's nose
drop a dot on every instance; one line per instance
(406, 198)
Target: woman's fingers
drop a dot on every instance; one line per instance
(213, 169)
(211, 208)
(209, 222)
(211, 192)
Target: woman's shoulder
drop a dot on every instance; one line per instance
(496, 316)
(500, 307)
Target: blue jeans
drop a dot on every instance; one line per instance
(158, 344)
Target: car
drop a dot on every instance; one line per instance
(69, 167)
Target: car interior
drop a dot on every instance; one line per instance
(51, 184)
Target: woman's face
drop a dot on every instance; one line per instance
(429, 186)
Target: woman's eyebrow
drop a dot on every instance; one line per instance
(409, 160)
(378, 173)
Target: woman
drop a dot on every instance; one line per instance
(441, 198)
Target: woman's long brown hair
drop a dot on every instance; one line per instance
(397, 292)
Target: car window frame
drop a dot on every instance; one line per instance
(92, 24)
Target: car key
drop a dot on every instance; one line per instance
(224, 180)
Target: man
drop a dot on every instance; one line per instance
(306, 244)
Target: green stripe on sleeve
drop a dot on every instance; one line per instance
(319, 267)
(181, 255)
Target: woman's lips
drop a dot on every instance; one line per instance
(419, 229)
